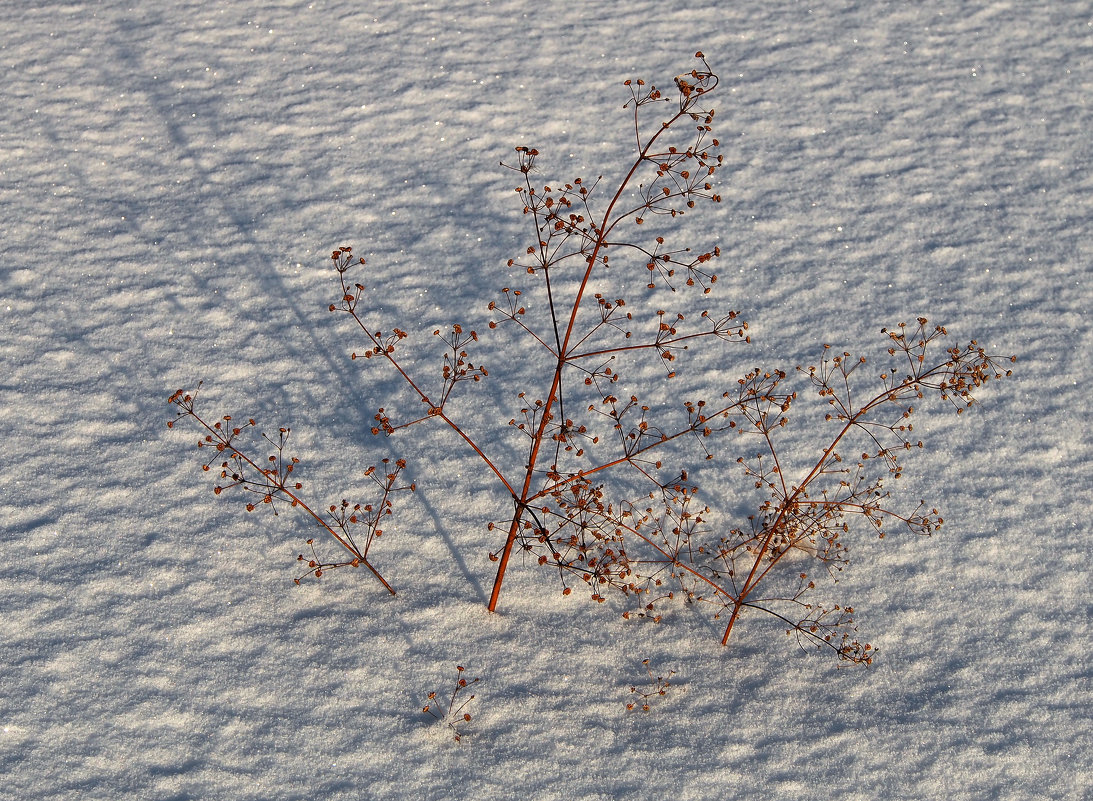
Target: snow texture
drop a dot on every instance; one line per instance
(173, 176)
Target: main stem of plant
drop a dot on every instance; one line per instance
(563, 357)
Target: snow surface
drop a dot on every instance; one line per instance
(173, 176)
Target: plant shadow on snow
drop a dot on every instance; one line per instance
(214, 239)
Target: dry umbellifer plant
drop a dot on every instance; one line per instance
(603, 494)
(657, 689)
(453, 715)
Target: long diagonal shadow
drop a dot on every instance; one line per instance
(210, 203)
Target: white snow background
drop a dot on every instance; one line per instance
(173, 176)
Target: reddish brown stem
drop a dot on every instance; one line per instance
(564, 357)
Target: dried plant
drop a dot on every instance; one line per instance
(269, 481)
(603, 494)
(453, 715)
(657, 689)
